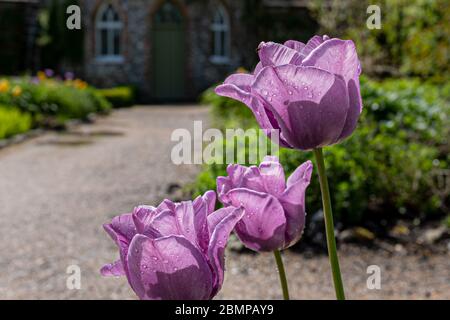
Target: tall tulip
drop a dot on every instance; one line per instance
(310, 93)
(174, 251)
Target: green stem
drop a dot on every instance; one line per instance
(329, 226)
(283, 281)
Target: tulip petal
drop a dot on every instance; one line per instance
(296, 45)
(254, 103)
(121, 230)
(272, 174)
(114, 269)
(258, 68)
(200, 206)
(269, 87)
(275, 54)
(236, 173)
(283, 84)
(293, 201)
(320, 124)
(168, 268)
(166, 205)
(355, 108)
(336, 56)
(217, 216)
(241, 80)
(252, 180)
(142, 217)
(219, 238)
(302, 173)
(262, 228)
(210, 199)
(313, 43)
(122, 226)
(223, 186)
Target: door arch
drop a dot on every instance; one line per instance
(168, 53)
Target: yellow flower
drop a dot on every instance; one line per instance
(4, 85)
(17, 91)
(41, 75)
(241, 70)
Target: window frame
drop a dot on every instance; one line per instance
(217, 28)
(110, 26)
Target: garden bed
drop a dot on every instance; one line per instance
(387, 170)
(44, 101)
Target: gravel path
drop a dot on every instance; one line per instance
(403, 275)
(57, 190)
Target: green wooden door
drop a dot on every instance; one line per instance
(168, 51)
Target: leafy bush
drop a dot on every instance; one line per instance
(13, 121)
(50, 97)
(413, 39)
(385, 169)
(119, 96)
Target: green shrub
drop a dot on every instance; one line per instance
(62, 100)
(413, 39)
(13, 121)
(119, 96)
(385, 169)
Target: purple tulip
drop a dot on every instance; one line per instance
(274, 209)
(310, 93)
(174, 251)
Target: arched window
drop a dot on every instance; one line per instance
(108, 35)
(220, 28)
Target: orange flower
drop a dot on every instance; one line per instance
(4, 85)
(80, 84)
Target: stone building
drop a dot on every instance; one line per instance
(172, 49)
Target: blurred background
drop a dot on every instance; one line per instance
(89, 153)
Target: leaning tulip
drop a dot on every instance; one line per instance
(174, 251)
(310, 93)
(274, 209)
